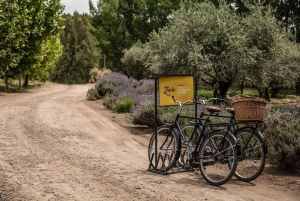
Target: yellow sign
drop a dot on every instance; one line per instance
(181, 87)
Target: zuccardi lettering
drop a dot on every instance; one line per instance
(168, 90)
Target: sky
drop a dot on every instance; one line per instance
(82, 6)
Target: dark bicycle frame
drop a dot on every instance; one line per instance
(198, 124)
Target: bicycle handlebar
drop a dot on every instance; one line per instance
(205, 101)
(181, 104)
(202, 102)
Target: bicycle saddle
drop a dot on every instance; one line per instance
(212, 109)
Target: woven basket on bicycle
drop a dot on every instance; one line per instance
(249, 109)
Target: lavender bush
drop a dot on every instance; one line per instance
(115, 83)
(283, 126)
(143, 111)
(117, 90)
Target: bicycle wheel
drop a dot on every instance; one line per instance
(218, 158)
(168, 148)
(252, 157)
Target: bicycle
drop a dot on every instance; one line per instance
(214, 153)
(252, 145)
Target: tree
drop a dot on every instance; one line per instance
(80, 53)
(14, 31)
(120, 23)
(287, 13)
(51, 51)
(25, 27)
(221, 47)
(46, 21)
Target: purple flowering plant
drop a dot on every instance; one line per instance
(283, 125)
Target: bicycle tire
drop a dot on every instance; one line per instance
(168, 148)
(218, 163)
(252, 158)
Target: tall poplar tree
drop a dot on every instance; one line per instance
(25, 28)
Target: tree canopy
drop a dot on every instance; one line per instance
(26, 27)
(120, 23)
(80, 53)
(220, 47)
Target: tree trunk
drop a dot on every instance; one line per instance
(20, 82)
(6, 83)
(224, 89)
(298, 87)
(26, 81)
(242, 87)
(266, 94)
(220, 91)
(275, 91)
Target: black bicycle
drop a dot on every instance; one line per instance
(213, 153)
(252, 145)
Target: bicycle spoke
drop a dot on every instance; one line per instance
(252, 157)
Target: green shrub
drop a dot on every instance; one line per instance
(123, 106)
(283, 126)
(92, 95)
(205, 94)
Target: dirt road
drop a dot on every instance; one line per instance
(55, 145)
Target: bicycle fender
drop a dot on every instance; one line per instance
(264, 140)
(260, 135)
(229, 133)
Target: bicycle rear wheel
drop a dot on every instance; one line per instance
(168, 148)
(218, 158)
(252, 157)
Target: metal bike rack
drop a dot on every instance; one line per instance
(158, 157)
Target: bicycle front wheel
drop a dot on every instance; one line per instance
(218, 158)
(188, 142)
(252, 155)
(168, 149)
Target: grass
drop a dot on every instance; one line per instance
(247, 91)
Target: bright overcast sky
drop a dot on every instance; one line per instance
(82, 6)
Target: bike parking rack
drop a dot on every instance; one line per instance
(158, 156)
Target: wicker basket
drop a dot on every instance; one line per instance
(249, 109)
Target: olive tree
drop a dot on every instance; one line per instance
(221, 47)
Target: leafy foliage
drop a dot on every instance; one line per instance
(220, 47)
(120, 23)
(27, 30)
(123, 106)
(284, 137)
(80, 53)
